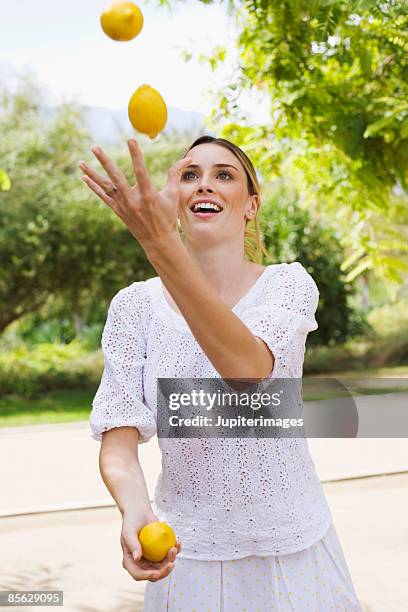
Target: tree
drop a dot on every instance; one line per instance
(335, 73)
(290, 234)
(63, 251)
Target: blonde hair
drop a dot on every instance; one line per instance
(254, 247)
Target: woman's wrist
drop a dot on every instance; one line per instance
(143, 514)
(163, 248)
(125, 482)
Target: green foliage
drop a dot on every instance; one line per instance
(290, 234)
(389, 319)
(52, 230)
(64, 252)
(5, 182)
(329, 360)
(335, 74)
(390, 351)
(60, 406)
(29, 370)
(37, 328)
(61, 270)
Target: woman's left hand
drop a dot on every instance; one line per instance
(151, 216)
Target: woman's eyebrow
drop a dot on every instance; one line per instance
(214, 165)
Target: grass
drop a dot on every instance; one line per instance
(52, 407)
(393, 372)
(76, 405)
(357, 382)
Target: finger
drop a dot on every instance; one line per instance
(115, 174)
(151, 573)
(140, 169)
(136, 568)
(175, 172)
(167, 570)
(169, 558)
(173, 552)
(99, 191)
(163, 573)
(100, 179)
(176, 549)
(138, 573)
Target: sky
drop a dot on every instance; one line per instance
(61, 43)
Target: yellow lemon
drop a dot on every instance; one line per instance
(147, 111)
(156, 539)
(122, 20)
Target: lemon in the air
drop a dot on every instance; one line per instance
(156, 539)
(147, 111)
(122, 20)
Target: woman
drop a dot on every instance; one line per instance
(256, 529)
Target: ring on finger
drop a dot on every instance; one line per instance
(110, 192)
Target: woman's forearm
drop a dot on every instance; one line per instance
(125, 482)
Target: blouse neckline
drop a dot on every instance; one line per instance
(175, 316)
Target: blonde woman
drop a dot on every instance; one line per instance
(254, 529)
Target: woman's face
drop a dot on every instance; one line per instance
(215, 175)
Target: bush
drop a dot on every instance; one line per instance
(377, 352)
(329, 359)
(389, 319)
(389, 351)
(291, 234)
(30, 371)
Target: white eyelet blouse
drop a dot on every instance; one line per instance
(226, 498)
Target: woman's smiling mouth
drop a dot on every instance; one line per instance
(205, 208)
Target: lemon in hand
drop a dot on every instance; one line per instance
(147, 111)
(122, 20)
(156, 539)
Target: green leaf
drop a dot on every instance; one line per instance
(365, 264)
(394, 262)
(352, 259)
(5, 182)
(392, 245)
(377, 126)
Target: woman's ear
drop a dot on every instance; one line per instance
(254, 206)
(256, 200)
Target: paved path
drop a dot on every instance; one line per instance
(56, 467)
(79, 551)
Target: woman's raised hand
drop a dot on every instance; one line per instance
(151, 216)
(140, 568)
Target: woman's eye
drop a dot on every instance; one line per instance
(187, 173)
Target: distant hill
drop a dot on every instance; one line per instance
(109, 126)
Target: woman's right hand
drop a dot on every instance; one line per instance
(139, 567)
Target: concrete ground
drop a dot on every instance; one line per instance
(79, 551)
(56, 466)
(58, 529)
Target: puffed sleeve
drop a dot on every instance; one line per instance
(119, 400)
(284, 316)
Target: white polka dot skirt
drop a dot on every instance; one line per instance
(316, 579)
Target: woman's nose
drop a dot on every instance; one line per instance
(204, 188)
